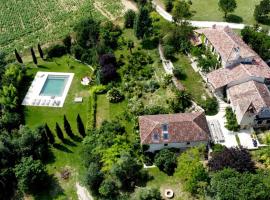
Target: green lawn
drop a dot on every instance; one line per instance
(208, 10)
(193, 82)
(68, 155)
(163, 181)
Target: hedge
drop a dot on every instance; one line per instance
(92, 106)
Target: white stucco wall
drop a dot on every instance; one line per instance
(182, 145)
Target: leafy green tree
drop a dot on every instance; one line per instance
(129, 18)
(33, 56)
(31, 175)
(143, 23)
(40, 52)
(261, 12)
(3, 63)
(7, 183)
(67, 42)
(181, 102)
(14, 74)
(67, 127)
(227, 6)
(8, 152)
(229, 184)
(147, 194)
(108, 188)
(169, 51)
(127, 170)
(32, 143)
(258, 40)
(56, 51)
(166, 161)
(18, 57)
(168, 5)
(235, 158)
(191, 171)
(80, 126)
(210, 106)
(9, 97)
(93, 177)
(49, 134)
(59, 132)
(181, 11)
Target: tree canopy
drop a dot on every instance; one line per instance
(227, 6)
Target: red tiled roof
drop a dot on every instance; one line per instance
(223, 76)
(183, 127)
(249, 93)
(225, 41)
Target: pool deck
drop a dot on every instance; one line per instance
(33, 97)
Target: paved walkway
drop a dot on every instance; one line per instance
(83, 193)
(199, 24)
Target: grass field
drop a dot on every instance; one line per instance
(66, 155)
(193, 82)
(208, 10)
(25, 23)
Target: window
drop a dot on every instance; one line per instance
(188, 143)
(165, 145)
(268, 121)
(165, 136)
(259, 122)
(165, 127)
(155, 137)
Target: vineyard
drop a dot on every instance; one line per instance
(24, 23)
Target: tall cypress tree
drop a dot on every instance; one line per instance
(49, 134)
(59, 132)
(34, 56)
(18, 57)
(80, 126)
(68, 127)
(143, 23)
(40, 52)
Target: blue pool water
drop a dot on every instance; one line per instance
(54, 85)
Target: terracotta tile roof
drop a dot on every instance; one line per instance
(223, 76)
(182, 127)
(249, 93)
(226, 42)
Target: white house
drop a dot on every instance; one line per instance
(173, 130)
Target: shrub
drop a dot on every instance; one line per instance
(231, 121)
(107, 72)
(57, 51)
(168, 51)
(210, 106)
(168, 5)
(166, 161)
(93, 177)
(151, 86)
(108, 188)
(179, 73)
(115, 96)
(147, 194)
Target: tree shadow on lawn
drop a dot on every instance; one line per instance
(234, 18)
(52, 190)
(50, 158)
(76, 138)
(42, 67)
(62, 148)
(69, 142)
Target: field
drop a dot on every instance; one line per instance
(24, 23)
(208, 10)
(65, 156)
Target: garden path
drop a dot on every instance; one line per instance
(83, 193)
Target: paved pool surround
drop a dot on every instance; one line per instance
(35, 97)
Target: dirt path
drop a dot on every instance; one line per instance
(129, 5)
(82, 193)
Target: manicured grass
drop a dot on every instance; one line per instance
(66, 155)
(208, 10)
(107, 110)
(163, 181)
(193, 82)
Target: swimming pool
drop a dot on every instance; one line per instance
(54, 85)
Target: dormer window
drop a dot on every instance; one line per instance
(155, 137)
(165, 127)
